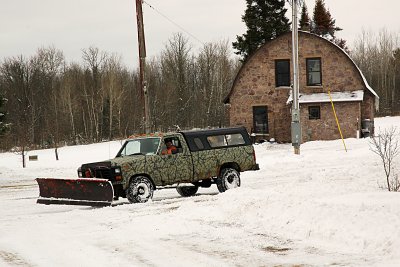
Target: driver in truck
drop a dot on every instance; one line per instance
(171, 149)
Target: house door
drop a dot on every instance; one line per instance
(260, 119)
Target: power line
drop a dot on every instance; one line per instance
(176, 24)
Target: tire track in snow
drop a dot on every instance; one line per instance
(13, 259)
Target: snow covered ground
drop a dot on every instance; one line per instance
(324, 207)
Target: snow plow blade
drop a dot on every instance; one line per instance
(81, 191)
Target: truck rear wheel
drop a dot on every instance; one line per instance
(140, 190)
(187, 191)
(229, 178)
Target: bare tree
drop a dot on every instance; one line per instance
(51, 101)
(114, 90)
(175, 61)
(17, 81)
(71, 85)
(94, 60)
(385, 145)
(216, 72)
(51, 61)
(207, 63)
(376, 57)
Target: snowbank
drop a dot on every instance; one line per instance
(323, 207)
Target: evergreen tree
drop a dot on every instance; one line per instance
(265, 20)
(342, 44)
(323, 23)
(304, 23)
(3, 125)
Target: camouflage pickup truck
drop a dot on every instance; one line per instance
(199, 159)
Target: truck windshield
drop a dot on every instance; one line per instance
(145, 146)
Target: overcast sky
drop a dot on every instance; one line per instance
(110, 25)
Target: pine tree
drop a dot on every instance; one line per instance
(323, 23)
(342, 44)
(304, 23)
(265, 20)
(3, 125)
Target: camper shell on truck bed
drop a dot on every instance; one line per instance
(223, 137)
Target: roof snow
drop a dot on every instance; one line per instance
(346, 96)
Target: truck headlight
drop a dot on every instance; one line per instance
(80, 172)
(118, 176)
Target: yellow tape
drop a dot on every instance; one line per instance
(337, 121)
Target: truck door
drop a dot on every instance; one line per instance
(175, 167)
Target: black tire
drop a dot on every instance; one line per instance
(140, 190)
(187, 191)
(229, 178)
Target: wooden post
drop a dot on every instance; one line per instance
(142, 66)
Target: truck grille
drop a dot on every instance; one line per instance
(104, 173)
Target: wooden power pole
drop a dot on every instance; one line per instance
(142, 65)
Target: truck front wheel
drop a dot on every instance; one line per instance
(229, 178)
(140, 190)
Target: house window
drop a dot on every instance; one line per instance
(314, 112)
(314, 74)
(260, 119)
(282, 72)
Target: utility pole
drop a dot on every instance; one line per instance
(142, 65)
(296, 126)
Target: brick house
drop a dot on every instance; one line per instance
(260, 97)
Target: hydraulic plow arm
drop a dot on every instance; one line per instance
(81, 191)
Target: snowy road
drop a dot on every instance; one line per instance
(322, 208)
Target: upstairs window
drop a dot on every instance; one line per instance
(282, 72)
(314, 74)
